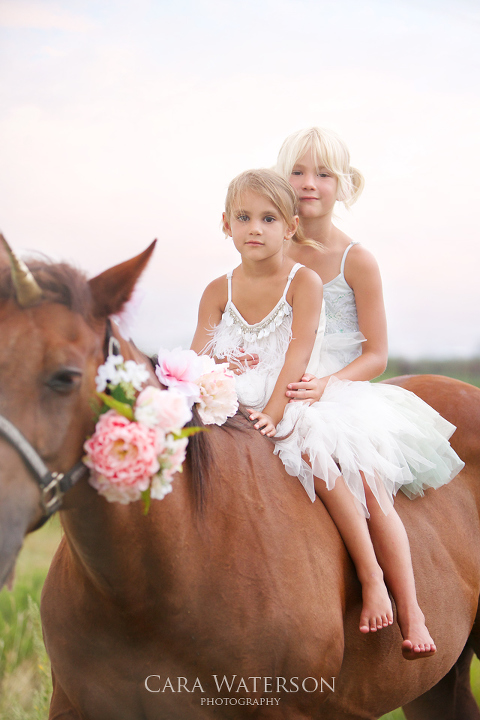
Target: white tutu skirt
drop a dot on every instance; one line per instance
(383, 431)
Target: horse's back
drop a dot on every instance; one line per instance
(458, 402)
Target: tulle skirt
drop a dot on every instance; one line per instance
(385, 432)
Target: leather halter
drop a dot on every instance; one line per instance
(53, 485)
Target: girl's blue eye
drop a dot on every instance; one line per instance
(296, 172)
(242, 218)
(269, 219)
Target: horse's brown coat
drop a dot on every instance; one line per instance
(257, 585)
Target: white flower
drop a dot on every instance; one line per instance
(135, 374)
(160, 487)
(116, 371)
(109, 373)
(218, 399)
(176, 450)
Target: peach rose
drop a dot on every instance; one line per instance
(167, 408)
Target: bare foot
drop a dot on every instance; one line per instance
(417, 643)
(377, 608)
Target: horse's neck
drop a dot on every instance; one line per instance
(131, 352)
(107, 541)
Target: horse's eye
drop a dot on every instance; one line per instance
(64, 380)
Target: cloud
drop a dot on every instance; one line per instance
(41, 16)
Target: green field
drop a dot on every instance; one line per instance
(466, 370)
(24, 667)
(25, 685)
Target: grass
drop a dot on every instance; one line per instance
(466, 370)
(24, 667)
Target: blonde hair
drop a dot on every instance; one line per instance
(329, 151)
(268, 184)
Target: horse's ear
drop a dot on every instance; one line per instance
(112, 288)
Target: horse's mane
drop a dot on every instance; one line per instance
(61, 283)
(200, 455)
(64, 284)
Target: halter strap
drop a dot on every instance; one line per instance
(53, 485)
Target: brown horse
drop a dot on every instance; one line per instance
(234, 597)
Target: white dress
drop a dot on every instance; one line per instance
(384, 431)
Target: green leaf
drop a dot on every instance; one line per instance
(120, 407)
(187, 431)
(96, 407)
(146, 499)
(124, 392)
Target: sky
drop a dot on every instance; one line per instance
(121, 122)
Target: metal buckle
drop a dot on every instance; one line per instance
(113, 346)
(52, 494)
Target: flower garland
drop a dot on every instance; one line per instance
(140, 439)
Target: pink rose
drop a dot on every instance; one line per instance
(166, 408)
(123, 454)
(179, 369)
(122, 494)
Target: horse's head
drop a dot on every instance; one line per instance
(53, 326)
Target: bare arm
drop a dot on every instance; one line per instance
(363, 276)
(306, 300)
(210, 312)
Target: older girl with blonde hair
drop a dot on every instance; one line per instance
(398, 441)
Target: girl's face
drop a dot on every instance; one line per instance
(257, 227)
(316, 187)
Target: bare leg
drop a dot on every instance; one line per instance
(377, 608)
(392, 549)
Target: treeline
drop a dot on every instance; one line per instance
(467, 369)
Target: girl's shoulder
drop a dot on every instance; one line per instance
(305, 282)
(306, 274)
(216, 292)
(216, 285)
(360, 266)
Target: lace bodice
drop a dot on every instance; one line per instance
(343, 341)
(340, 307)
(269, 339)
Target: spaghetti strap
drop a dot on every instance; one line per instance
(342, 266)
(229, 282)
(291, 275)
